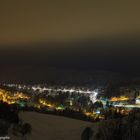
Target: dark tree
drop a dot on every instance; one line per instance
(26, 129)
(87, 134)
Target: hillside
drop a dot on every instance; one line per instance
(49, 127)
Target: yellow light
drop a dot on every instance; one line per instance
(121, 98)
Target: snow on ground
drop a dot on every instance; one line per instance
(50, 127)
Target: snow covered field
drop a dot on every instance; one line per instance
(49, 127)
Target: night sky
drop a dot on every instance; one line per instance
(49, 40)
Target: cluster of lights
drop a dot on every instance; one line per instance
(42, 89)
(9, 98)
(12, 98)
(92, 94)
(121, 98)
(44, 103)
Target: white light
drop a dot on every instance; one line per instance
(93, 96)
(137, 101)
